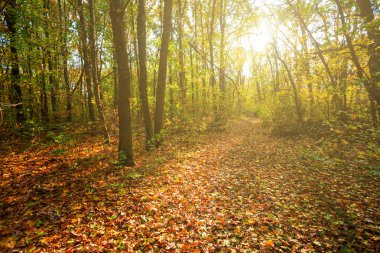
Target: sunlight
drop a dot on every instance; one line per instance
(257, 41)
(259, 38)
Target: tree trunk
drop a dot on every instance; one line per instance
(63, 39)
(171, 93)
(297, 99)
(95, 70)
(52, 82)
(320, 55)
(373, 32)
(162, 69)
(86, 62)
(306, 63)
(182, 76)
(359, 70)
(43, 95)
(124, 79)
(222, 77)
(143, 80)
(212, 70)
(16, 94)
(115, 80)
(192, 81)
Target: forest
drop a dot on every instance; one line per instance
(190, 126)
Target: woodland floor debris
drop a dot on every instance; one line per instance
(235, 191)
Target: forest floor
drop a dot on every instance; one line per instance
(238, 190)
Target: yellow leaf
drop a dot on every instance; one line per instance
(76, 207)
(269, 243)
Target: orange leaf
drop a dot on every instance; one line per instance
(269, 243)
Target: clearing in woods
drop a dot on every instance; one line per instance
(241, 190)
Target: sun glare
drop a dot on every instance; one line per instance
(257, 41)
(259, 38)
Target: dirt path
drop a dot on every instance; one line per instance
(235, 191)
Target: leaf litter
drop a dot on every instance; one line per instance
(241, 190)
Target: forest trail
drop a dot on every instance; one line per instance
(241, 190)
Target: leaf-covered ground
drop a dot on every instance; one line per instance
(241, 190)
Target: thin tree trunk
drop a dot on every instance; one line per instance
(306, 60)
(272, 72)
(86, 62)
(52, 82)
(192, 80)
(222, 76)
(143, 79)
(294, 88)
(30, 87)
(94, 69)
(43, 96)
(182, 76)
(320, 55)
(277, 72)
(171, 93)
(212, 70)
(162, 69)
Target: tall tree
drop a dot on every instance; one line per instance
(362, 75)
(86, 61)
(16, 93)
(162, 69)
(53, 84)
(117, 8)
(43, 95)
(319, 53)
(143, 80)
(372, 28)
(95, 70)
(181, 54)
(63, 40)
(222, 71)
(211, 52)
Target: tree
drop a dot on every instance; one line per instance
(49, 47)
(320, 55)
(362, 75)
(16, 93)
(143, 80)
(86, 62)
(162, 69)
(117, 8)
(373, 32)
(95, 70)
(222, 76)
(211, 52)
(181, 55)
(294, 87)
